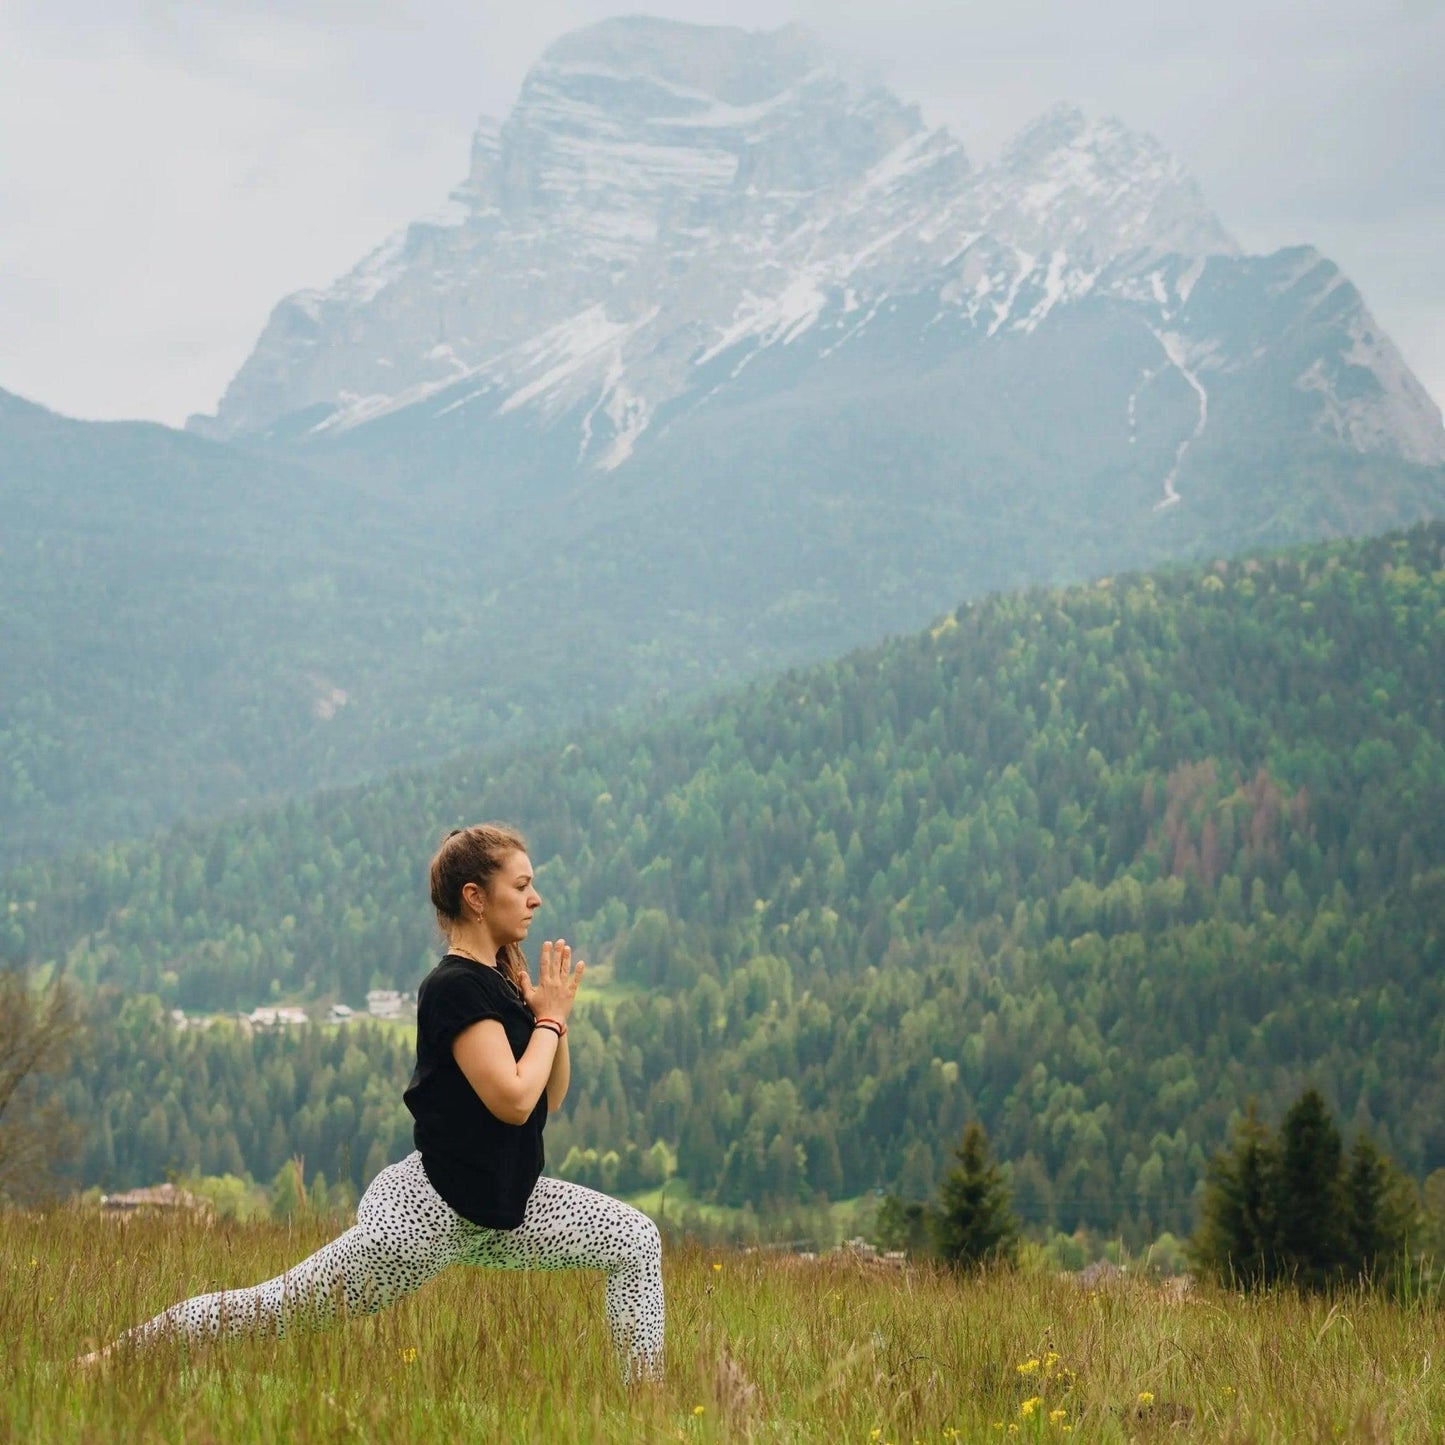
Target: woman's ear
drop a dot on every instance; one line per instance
(474, 898)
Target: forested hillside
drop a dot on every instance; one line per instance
(190, 628)
(1094, 865)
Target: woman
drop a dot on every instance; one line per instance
(491, 1063)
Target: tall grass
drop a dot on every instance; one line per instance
(760, 1347)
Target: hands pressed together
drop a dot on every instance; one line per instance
(555, 991)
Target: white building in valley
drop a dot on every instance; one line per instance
(384, 1003)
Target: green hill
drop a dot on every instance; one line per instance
(186, 628)
(1094, 865)
(192, 628)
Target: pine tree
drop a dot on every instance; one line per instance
(1296, 1210)
(1378, 1211)
(974, 1224)
(1310, 1210)
(1238, 1237)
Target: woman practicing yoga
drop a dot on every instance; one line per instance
(491, 1062)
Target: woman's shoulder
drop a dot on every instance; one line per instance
(456, 977)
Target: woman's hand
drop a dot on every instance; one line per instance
(557, 980)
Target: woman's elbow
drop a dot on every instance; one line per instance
(507, 1105)
(515, 1111)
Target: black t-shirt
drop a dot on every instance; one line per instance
(484, 1168)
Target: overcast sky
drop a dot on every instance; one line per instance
(169, 171)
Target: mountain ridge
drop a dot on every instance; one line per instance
(628, 223)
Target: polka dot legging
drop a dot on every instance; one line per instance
(405, 1234)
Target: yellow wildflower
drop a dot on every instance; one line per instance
(408, 1355)
(1028, 1407)
(1057, 1417)
(698, 1409)
(1146, 1397)
(1029, 1366)
(716, 1265)
(1050, 1360)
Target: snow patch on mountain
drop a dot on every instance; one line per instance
(1176, 349)
(663, 195)
(584, 340)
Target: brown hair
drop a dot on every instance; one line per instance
(474, 855)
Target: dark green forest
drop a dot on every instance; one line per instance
(1094, 866)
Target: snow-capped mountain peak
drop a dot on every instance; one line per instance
(667, 203)
(1099, 190)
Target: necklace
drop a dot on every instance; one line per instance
(467, 953)
(506, 977)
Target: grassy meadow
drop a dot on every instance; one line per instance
(760, 1347)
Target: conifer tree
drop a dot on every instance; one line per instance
(1378, 1211)
(1310, 1210)
(974, 1224)
(1295, 1209)
(1238, 1236)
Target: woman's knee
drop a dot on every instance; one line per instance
(645, 1241)
(380, 1270)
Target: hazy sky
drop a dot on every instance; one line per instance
(169, 171)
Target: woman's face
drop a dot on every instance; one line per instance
(511, 900)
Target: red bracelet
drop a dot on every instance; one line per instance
(557, 1024)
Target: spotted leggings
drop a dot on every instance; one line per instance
(405, 1234)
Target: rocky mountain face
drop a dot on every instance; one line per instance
(667, 206)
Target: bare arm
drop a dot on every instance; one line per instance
(560, 1076)
(511, 1087)
(508, 1087)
